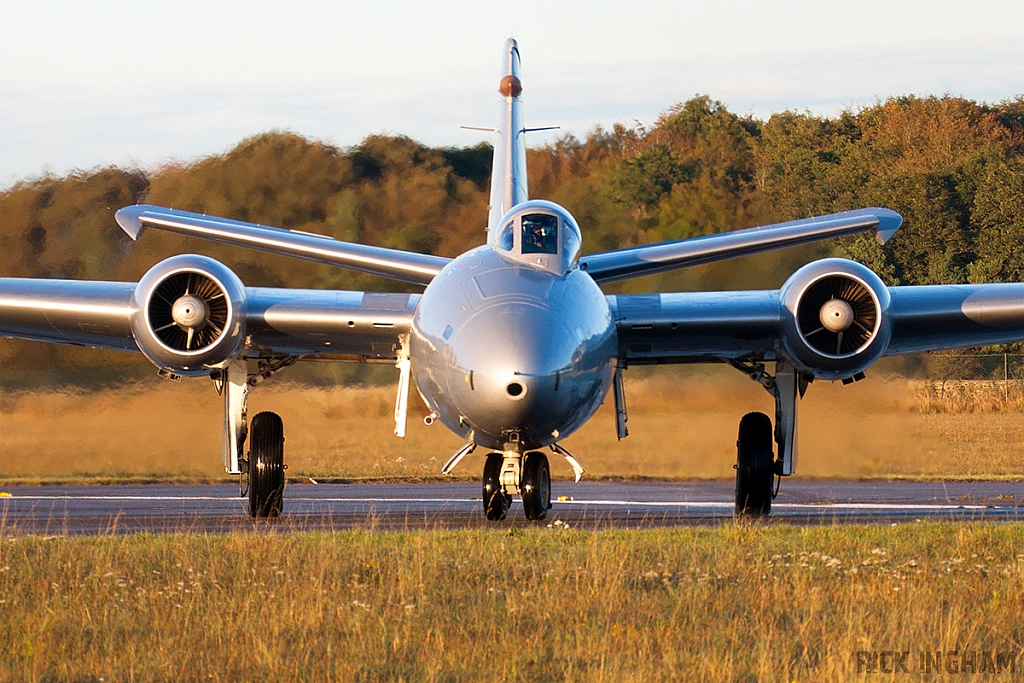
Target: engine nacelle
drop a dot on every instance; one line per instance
(189, 315)
(835, 318)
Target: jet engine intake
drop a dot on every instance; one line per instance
(189, 315)
(834, 318)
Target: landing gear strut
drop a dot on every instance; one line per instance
(264, 434)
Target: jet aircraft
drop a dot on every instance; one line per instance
(512, 345)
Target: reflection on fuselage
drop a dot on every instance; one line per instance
(506, 354)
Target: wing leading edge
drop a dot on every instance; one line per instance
(623, 264)
(78, 312)
(396, 264)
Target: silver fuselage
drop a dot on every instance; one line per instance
(488, 323)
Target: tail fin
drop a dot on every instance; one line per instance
(508, 173)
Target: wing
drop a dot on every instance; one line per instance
(748, 325)
(622, 264)
(279, 322)
(96, 314)
(391, 263)
(940, 317)
(312, 323)
(688, 327)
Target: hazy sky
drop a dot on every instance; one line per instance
(84, 84)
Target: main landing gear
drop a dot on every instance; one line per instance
(264, 465)
(756, 464)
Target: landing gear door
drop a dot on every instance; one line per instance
(234, 381)
(787, 394)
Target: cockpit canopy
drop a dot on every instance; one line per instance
(541, 234)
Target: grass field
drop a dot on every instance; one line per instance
(732, 603)
(681, 426)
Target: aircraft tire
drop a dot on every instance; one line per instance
(266, 465)
(755, 468)
(496, 503)
(536, 485)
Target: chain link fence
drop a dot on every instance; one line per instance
(970, 382)
(999, 367)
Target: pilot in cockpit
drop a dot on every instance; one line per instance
(540, 234)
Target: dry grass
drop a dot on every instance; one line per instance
(734, 603)
(681, 426)
(969, 396)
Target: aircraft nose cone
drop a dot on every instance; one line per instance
(515, 340)
(514, 355)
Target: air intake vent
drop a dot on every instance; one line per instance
(188, 311)
(837, 316)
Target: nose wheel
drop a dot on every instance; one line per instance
(496, 501)
(535, 487)
(504, 477)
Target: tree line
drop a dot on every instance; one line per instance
(954, 168)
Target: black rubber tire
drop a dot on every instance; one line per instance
(266, 465)
(496, 503)
(755, 466)
(535, 485)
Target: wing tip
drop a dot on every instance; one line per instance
(888, 223)
(128, 218)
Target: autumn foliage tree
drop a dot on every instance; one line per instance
(953, 167)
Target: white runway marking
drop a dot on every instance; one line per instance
(617, 503)
(783, 506)
(44, 497)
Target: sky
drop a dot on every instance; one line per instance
(88, 84)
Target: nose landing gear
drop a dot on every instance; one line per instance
(506, 474)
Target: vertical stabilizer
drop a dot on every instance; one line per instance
(508, 174)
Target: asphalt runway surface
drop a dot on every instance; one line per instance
(124, 509)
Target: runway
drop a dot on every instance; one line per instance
(99, 510)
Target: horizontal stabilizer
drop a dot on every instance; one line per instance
(391, 263)
(649, 259)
